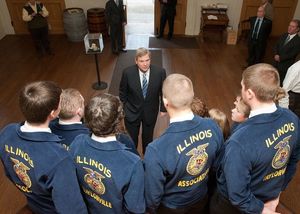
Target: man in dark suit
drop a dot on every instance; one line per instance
(287, 49)
(115, 19)
(168, 12)
(260, 29)
(141, 93)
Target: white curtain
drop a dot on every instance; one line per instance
(193, 17)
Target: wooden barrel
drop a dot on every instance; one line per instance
(96, 21)
(75, 24)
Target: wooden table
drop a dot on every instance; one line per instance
(217, 25)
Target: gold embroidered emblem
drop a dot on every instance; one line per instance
(198, 160)
(93, 179)
(282, 155)
(21, 171)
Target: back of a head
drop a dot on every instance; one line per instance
(104, 114)
(263, 80)
(221, 119)
(71, 101)
(38, 99)
(178, 90)
(199, 108)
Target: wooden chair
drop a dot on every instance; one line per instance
(244, 30)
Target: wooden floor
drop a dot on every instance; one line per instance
(215, 69)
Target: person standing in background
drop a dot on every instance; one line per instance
(115, 18)
(291, 84)
(35, 13)
(260, 29)
(287, 49)
(167, 13)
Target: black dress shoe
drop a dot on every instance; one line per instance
(159, 36)
(123, 50)
(116, 52)
(169, 37)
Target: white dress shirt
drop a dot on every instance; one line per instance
(142, 76)
(291, 82)
(266, 110)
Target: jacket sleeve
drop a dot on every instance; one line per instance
(134, 197)
(293, 52)
(123, 88)
(154, 179)
(237, 168)
(162, 106)
(292, 164)
(107, 13)
(62, 180)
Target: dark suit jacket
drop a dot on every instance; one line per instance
(168, 8)
(287, 53)
(130, 92)
(264, 31)
(114, 14)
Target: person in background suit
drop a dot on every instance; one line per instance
(35, 13)
(141, 94)
(291, 84)
(115, 18)
(267, 4)
(168, 13)
(287, 49)
(260, 29)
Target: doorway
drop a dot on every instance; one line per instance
(140, 23)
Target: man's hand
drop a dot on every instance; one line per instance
(277, 58)
(272, 204)
(33, 14)
(268, 211)
(162, 114)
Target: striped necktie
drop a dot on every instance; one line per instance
(145, 85)
(256, 29)
(287, 39)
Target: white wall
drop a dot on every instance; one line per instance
(297, 11)
(194, 14)
(2, 32)
(85, 4)
(5, 18)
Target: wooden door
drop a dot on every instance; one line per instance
(283, 13)
(55, 19)
(180, 18)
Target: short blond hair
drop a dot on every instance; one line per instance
(178, 90)
(71, 101)
(263, 80)
(221, 119)
(142, 52)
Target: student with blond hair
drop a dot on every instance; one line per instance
(69, 123)
(261, 156)
(178, 162)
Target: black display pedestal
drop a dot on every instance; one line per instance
(99, 85)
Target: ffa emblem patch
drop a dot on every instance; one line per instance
(282, 155)
(93, 179)
(198, 160)
(21, 171)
